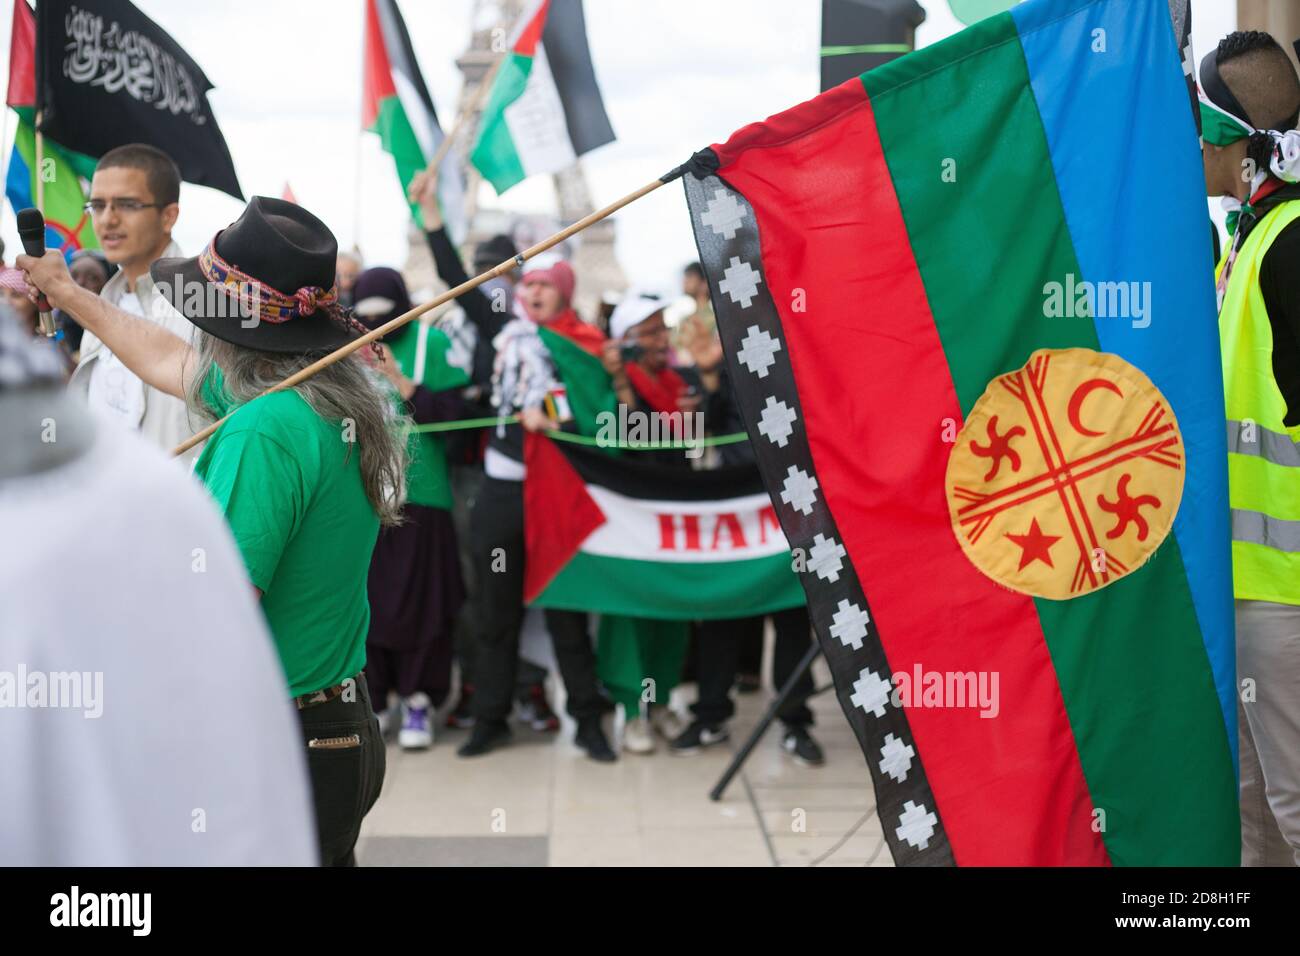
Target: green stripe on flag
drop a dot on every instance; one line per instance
(399, 139)
(586, 383)
(674, 590)
(988, 302)
(494, 152)
(82, 165)
(65, 198)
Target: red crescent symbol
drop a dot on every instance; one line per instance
(1082, 392)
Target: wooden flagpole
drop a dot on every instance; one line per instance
(479, 101)
(393, 324)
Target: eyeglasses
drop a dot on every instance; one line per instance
(97, 207)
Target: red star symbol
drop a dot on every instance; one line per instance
(1034, 545)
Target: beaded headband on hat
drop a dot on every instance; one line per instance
(270, 303)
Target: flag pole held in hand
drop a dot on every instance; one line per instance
(394, 324)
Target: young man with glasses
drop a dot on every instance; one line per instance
(133, 206)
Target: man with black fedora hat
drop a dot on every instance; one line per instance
(304, 476)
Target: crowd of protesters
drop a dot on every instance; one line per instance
(390, 580)
(428, 629)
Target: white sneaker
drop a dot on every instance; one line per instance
(385, 723)
(417, 723)
(637, 738)
(667, 723)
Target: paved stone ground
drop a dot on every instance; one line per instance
(541, 802)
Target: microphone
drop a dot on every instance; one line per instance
(31, 230)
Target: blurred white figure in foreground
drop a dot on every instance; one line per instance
(144, 722)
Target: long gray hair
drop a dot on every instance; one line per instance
(345, 391)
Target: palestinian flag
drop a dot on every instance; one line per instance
(67, 226)
(575, 349)
(983, 386)
(545, 108)
(396, 104)
(621, 536)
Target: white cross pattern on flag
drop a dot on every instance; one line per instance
(916, 825)
(896, 758)
(756, 351)
(825, 557)
(849, 625)
(740, 282)
(871, 692)
(776, 423)
(799, 490)
(724, 214)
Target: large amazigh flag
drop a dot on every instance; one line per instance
(67, 226)
(396, 104)
(545, 108)
(621, 536)
(960, 309)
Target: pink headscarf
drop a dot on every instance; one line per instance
(12, 279)
(558, 274)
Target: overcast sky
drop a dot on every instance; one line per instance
(676, 75)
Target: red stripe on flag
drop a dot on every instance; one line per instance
(558, 514)
(377, 73)
(876, 391)
(526, 45)
(22, 57)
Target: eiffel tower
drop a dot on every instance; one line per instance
(591, 252)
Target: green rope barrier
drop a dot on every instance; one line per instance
(649, 446)
(465, 423)
(866, 48)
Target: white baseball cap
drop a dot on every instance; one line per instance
(634, 309)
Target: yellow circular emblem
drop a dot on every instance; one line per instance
(1066, 475)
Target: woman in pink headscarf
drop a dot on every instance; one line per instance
(527, 380)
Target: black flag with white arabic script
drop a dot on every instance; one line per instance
(107, 75)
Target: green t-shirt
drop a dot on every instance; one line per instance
(420, 352)
(290, 487)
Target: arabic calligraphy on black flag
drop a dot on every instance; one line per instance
(108, 75)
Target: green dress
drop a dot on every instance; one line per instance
(630, 650)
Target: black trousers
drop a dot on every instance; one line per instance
(497, 530)
(346, 779)
(720, 646)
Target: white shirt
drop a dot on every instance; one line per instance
(114, 389)
(117, 569)
(162, 419)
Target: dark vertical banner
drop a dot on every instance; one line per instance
(107, 75)
(859, 35)
(1180, 13)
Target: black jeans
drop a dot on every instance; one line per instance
(719, 648)
(345, 781)
(498, 540)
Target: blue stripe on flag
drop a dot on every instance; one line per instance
(1081, 57)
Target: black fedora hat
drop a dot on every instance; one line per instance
(265, 282)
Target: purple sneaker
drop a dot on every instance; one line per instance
(417, 723)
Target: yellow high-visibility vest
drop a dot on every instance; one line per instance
(1263, 453)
